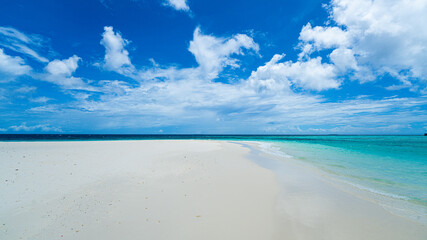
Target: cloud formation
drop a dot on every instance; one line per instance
(180, 5)
(362, 42)
(12, 66)
(311, 74)
(211, 53)
(19, 42)
(116, 56)
(40, 127)
(63, 67)
(214, 53)
(374, 38)
(267, 101)
(60, 73)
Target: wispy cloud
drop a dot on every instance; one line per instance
(17, 41)
(31, 128)
(26, 89)
(40, 99)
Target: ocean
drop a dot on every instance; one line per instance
(393, 168)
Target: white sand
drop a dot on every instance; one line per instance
(134, 190)
(176, 190)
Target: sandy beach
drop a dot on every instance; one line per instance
(178, 189)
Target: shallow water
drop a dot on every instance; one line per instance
(393, 165)
(391, 168)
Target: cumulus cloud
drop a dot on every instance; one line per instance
(214, 53)
(373, 38)
(324, 37)
(116, 56)
(12, 66)
(311, 74)
(343, 59)
(270, 77)
(17, 41)
(64, 67)
(180, 5)
(60, 73)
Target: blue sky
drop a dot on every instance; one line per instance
(213, 66)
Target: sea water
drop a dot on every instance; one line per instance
(391, 168)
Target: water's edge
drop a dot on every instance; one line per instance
(397, 205)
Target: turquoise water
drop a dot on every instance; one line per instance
(394, 166)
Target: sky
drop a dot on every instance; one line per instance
(213, 66)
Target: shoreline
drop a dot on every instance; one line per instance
(391, 203)
(355, 205)
(177, 189)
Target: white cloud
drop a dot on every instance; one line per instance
(324, 37)
(218, 107)
(70, 83)
(41, 127)
(26, 89)
(64, 67)
(40, 99)
(343, 59)
(116, 56)
(180, 5)
(270, 77)
(60, 73)
(373, 38)
(12, 66)
(214, 53)
(19, 42)
(13, 33)
(311, 74)
(267, 101)
(51, 108)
